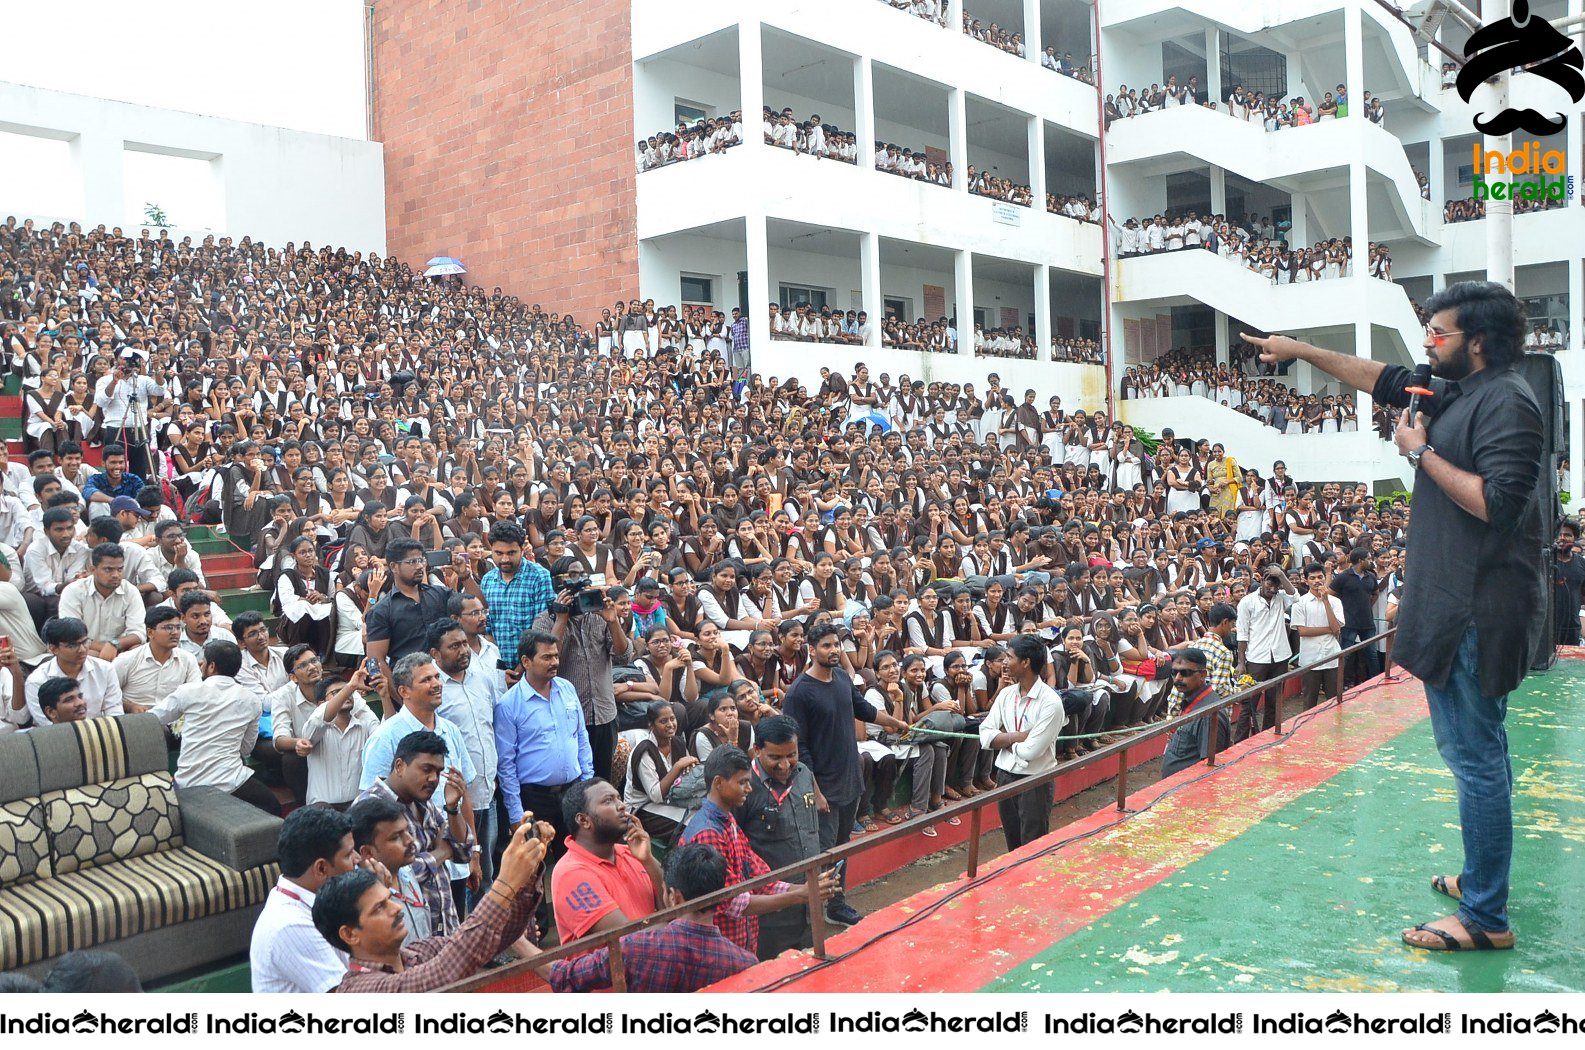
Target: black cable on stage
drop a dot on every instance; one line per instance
(1294, 724)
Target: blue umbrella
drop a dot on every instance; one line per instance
(444, 260)
(877, 419)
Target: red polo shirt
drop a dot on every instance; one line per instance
(586, 889)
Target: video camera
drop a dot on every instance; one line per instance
(587, 598)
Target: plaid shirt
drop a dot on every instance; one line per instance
(514, 605)
(435, 962)
(429, 826)
(714, 826)
(1219, 671)
(682, 956)
(739, 330)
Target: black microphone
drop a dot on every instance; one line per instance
(1418, 388)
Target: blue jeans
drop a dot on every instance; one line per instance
(484, 829)
(1470, 735)
(1364, 664)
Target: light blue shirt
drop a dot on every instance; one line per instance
(541, 741)
(380, 751)
(470, 706)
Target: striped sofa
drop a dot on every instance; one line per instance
(99, 849)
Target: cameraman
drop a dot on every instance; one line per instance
(128, 398)
(589, 643)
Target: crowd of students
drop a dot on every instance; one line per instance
(1271, 112)
(1255, 244)
(702, 138)
(427, 472)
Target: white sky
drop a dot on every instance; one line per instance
(289, 63)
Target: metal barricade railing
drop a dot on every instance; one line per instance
(974, 808)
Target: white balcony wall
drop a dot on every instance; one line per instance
(888, 37)
(1179, 278)
(784, 185)
(658, 83)
(1360, 456)
(273, 184)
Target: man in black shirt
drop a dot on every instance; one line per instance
(1474, 606)
(781, 822)
(824, 703)
(398, 623)
(1357, 586)
(1568, 580)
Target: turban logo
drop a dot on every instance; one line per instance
(1536, 46)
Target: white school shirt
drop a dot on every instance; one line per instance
(1041, 713)
(287, 953)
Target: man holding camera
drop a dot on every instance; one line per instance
(128, 398)
(587, 624)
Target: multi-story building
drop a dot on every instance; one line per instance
(535, 177)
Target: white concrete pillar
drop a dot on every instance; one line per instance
(1576, 305)
(955, 15)
(757, 254)
(1436, 171)
(1358, 210)
(958, 137)
(1215, 90)
(963, 286)
(1037, 163)
(1223, 341)
(870, 284)
(1218, 190)
(1032, 44)
(751, 83)
(98, 158)
(1045, 330)
(864, 109)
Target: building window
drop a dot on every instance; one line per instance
(898, 307)
(792, 295)
(697, 290)
(686, 112)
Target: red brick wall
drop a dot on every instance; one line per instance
(508, 132)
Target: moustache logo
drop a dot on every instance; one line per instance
(1537, 47)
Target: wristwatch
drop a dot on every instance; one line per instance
(1414, 454)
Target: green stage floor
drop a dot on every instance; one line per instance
(1293, 869)
(1312, 897)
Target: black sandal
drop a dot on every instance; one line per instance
(1443, 885)
(1479, 942)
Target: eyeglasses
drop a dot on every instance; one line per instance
(1439, 339)
(413, 561)
(81, 643)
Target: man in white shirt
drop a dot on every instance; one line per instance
(468, 698)
(110, 607)
(262, 669)
(1022, 728)
(222, 725)
(1263, 649)
(1318, 619)
(67, 639)
(52, 562)
(154, 670)
(287, 954)
(172, 551)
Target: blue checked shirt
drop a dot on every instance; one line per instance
(513, 605)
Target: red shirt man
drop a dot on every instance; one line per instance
(603, 883)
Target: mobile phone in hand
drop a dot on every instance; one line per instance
(371, 667)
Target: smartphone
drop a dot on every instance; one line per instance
(840, 869)
(371, 667)
(5, 641)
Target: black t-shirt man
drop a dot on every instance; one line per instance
(1358, 594)
(1568, 579)
(826, 742)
